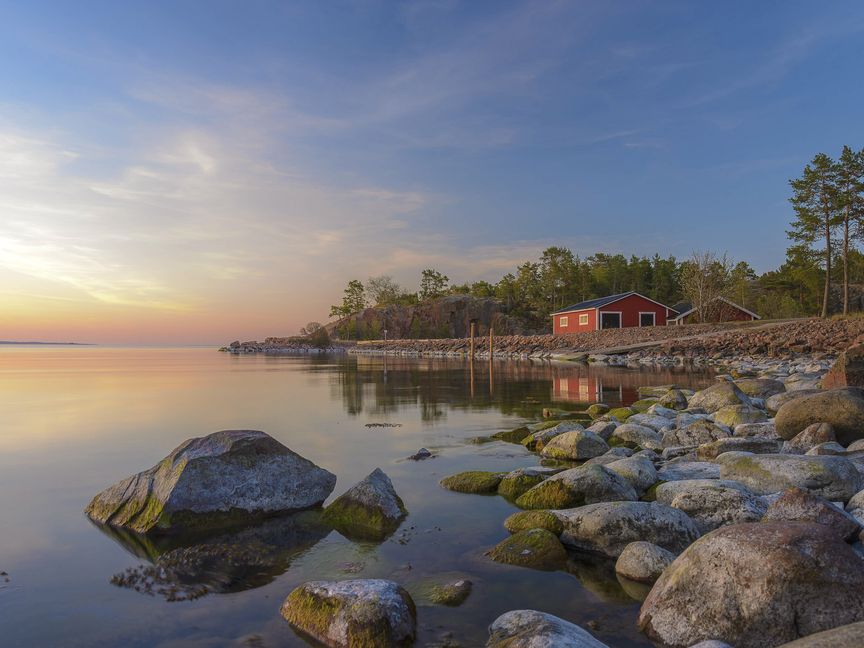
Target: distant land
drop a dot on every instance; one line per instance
(48, 343)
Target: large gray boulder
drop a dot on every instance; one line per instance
(810, 437)
(720, 395)
(578, 486)
(756, 445)
(639, 471)
(221, 479)
(578, 444)
(369, 509)
(834, 478)
(681, 470)
(654, 421)
(538, 439)
(842, 408)
(532, 629)
(756, 585)
(344, 614)
(775, 402)
(848, 636)
(760, 387)
(712, 503)
(643, 562)
(696, 433)
(733, 415)
(608, 527)
(634, 436)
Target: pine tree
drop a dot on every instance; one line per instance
(850, 194)
(814, 199)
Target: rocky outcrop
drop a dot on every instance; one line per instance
(369, 509)
(756, 585)
(224, 478)
(345, 614)
(531, 629)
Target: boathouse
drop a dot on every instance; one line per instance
(615, 311)
(720, 310)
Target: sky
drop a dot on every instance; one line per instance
(196, 172)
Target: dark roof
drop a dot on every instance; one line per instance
(682, 307)
(593, 303)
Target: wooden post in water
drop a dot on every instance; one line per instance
(471, 354)
(491, 338)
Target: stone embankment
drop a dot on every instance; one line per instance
(287, 345)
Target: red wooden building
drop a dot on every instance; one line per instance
(614, 311)
(719, 309)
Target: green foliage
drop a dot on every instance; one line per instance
(432, 284)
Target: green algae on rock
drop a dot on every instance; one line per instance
(197, 486)
(353, 613)
(473, 481)
(517, 482)
(370, 509)
(622, 413)
(535, 548)
(451, 594)
(540, 519)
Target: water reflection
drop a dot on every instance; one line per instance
(185, 567)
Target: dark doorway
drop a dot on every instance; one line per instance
(646, 319)
(610, 320)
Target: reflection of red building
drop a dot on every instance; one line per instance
(572, 385)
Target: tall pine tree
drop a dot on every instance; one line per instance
(815, 200)
(850, 196)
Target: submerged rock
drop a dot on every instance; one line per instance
(224, 478)
(535, 548)
(834, 478)
(577, 486)
(608, 527)
(532, 629)
(345, 614)
(756, 585)
(369, 509)
(643, 562)
(473, 481)
(451, 594)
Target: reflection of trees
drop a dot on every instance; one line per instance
(381, 385)
(184, 567)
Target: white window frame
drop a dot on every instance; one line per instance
(600, 315)
(652, 314)
(583, 319)
(563, 321)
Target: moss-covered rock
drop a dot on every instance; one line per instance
(515, 483)
(512, 436)
(451, 594)
(535, 548)
(525, 520)
(643, 404)
(473, 481)
(575, 445)
(622, 413)
(732, 415)
(353, 613)
(578, 486)
(598, 409)
(370, 509)
(538, 439)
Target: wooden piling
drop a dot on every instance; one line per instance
(471, 353)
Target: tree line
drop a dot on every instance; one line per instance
(828, 206)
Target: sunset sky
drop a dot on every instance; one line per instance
(196, 172)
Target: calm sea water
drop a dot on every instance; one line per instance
(75, 420)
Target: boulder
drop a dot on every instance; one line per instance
(635, 436)
(578, 486)
(847, 370)
(540, 519)
(712, 503)
(802, 382)
(755, 445)
(775, 402)
(451, 594)
(608, 527)
(343, 614)
(720, 395)
(536, 440)
(369, 509)
(695, 434)
(834, 478)
(473, 481)
(221, 479)
(664, 412)
(733, 415)
(798, 505)
(827, 448)
(579, 444)
(809, 437)
(674, 399)
(756, 585)
(764, 430)
(676, 471)
(516, 482)
(639, 471)
(597, 409)
(534, 548)
(643, 562)
(622, 413)
(603, 429)
(843, 409)
(849, 636)
(653, 421)
(760, 387)
(531, 629)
